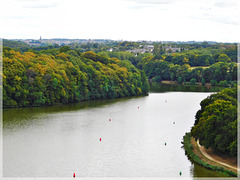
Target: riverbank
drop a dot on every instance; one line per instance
(194, 153)
(224, 160)
(185, 83)
(196, 84)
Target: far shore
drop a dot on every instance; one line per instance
(188, 83)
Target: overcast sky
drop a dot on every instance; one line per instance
(157, 20)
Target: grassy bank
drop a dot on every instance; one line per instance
(189, 149)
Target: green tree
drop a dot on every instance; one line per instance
(223, 58)
(193, 81)
(216, 122)
(179, 80)
(223, 83)
(157, 78)
(213, 82)
(64, 49)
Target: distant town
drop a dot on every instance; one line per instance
(63, 41)
(135, 47)
(60, 42)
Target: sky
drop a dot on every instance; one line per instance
(133, 20)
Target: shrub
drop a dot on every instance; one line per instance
(157, 78)
(193, 81)
(223, 83)
(214, 82)
(203, 81)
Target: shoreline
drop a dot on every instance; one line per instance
(194, 153)
(188, 83)
(82, 101)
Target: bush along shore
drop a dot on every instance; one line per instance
(195, 158)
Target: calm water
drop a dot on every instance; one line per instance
(60, 140)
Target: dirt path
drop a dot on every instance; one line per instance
(203, 151)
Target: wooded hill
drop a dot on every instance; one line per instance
(64, 76)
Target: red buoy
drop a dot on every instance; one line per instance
(109, 119)
(138, 107)
(165, 101)
(100, 139)
(74, 175)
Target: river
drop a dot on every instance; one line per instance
(140, 137)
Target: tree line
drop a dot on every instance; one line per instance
(203, 65)
(216, 122)
(63, 75)
(220, 73)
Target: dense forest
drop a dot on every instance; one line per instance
(63, 76)
(203, 65)
(220, 73)
(223, 72)
(52, 73)
(216, 122)
(215, 66)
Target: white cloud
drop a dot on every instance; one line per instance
(224, 4)
(41, 5)
(153, 1)
(122, 19)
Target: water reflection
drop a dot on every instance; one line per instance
(199, 171)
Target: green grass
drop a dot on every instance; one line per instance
(189, 151)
